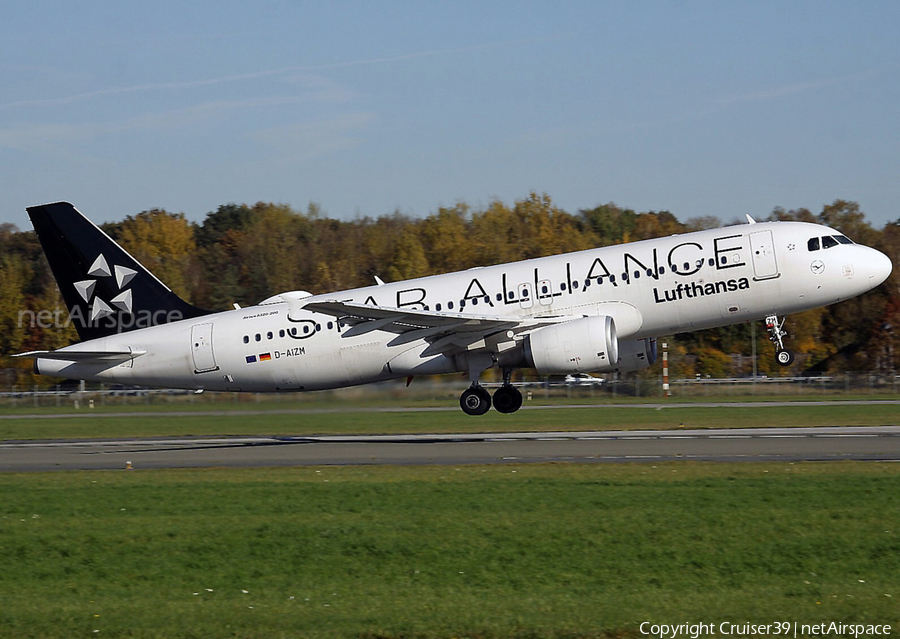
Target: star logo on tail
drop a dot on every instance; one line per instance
(123, 301)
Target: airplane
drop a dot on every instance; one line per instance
(597, 310)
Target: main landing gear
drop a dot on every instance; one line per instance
(776, 333)
(476, 400)
(507, 398)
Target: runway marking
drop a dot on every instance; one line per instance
(858, 435)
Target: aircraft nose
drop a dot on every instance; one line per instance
(880, 267)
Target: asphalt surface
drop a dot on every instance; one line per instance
(451, 408)
(880, 443)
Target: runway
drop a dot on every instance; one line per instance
(880, 443)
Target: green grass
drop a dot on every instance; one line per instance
(499, 551)
(286, 422)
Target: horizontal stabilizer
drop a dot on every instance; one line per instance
(82, 356)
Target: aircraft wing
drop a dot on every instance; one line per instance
(401, 320)
(446, 331)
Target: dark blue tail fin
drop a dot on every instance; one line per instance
(105, 289)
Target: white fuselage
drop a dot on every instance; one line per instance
(651, 288)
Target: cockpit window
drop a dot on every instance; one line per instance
(813, 244)
(843, 239)
(828, 242)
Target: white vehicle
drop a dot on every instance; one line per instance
(582, 379)
(596, 310)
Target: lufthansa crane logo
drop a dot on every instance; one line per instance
(123, 301)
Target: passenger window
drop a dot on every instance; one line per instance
(258, 337)
(269, 335)
(281, 333)
(813, 244)
(828, 242)
(246, 339)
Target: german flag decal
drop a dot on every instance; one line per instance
(265, 357)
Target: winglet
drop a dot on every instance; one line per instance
(750, 220)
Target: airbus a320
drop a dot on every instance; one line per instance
(598, 310)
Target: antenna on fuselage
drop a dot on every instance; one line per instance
(750, 220)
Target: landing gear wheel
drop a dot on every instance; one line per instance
(475, 400)
(507, 399)
(784, 357)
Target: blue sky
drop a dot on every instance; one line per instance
(701, 108)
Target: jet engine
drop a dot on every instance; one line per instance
(582, 345)
(636, 354)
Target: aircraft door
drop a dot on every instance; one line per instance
(202, 348)
(545, 292)
(762, 250)
(526, 299)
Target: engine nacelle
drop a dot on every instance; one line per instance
(580, 346)
(636, 354)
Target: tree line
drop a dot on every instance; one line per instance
(244, 254)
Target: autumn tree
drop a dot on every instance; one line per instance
(12, 304)
(164, 243)
(448, 239)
